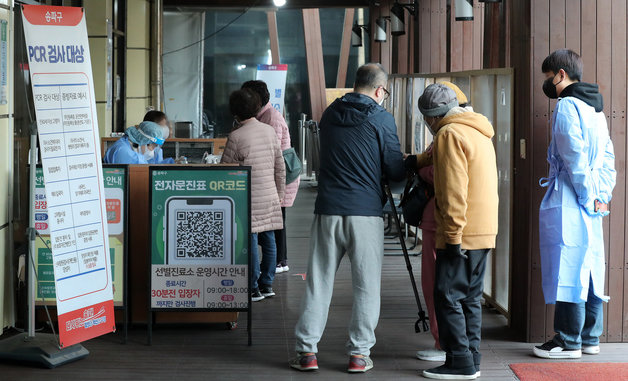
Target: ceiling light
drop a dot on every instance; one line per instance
(279, 3)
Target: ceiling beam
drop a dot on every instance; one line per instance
(299, 4)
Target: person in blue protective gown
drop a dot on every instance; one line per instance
(161, 119)
(579, 186)
(137, 146)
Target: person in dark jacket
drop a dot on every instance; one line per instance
(359, 148)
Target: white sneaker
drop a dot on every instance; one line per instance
(285, 268)
(279, 269)
(591, 349)
(431, 355)
(551, 350)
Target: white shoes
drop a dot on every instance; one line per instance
(281, 269)
(431, 355)
(591, 349)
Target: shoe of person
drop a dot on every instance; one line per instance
(285, 268)
(267, 291)
(551, 350)
(445, 372)
(279, 269)
(591, 349)
(304, 362)
(431, 355)
(256, 296)
(359, 364)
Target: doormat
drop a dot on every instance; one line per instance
(570, 371)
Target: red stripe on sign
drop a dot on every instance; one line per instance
(49, 15)
(86, 323)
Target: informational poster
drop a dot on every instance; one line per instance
(63, 92)
(115, 190)
(4, 57)
(200, 220)
(275, 78)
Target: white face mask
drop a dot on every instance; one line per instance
(148, 153)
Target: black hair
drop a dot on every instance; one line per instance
(155, 116)
(370, 76)
(244, 104)
(260, 88)
(565, 59)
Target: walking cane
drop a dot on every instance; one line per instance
(422, 318)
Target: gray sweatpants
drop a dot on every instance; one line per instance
(362, 238)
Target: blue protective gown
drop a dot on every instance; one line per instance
(159, 157)
(582, 169)
(122, 153)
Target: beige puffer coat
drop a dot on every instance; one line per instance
(255, 144)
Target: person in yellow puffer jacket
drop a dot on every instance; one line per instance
(465, 187)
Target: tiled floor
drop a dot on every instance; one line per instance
(210, 352)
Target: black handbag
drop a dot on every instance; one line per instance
(415, 197)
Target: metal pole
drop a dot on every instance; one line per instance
(156, 51)
(32, 287)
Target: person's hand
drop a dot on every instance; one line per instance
(410, 162)
(455, 251)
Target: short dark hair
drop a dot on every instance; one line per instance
(244, 104)
(565, 59)
(370, 76)
(155, 116)
(260, 88)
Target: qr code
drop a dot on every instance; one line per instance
(200, 234)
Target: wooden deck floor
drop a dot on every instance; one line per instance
(210, 352)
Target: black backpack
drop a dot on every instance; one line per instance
(415, 197)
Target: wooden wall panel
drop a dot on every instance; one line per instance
(314, 58)
(456, 42)
(386, 47)
(603, 57)
(588, 41)
(442, 37)
(617, 232)
(425, 36)
(572, 29)
(345, 46)
(622, 120)
(467, 44)
(435, 45)
(523, 182)
(538, 152)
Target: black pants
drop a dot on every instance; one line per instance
(457, 293)
(280, 240)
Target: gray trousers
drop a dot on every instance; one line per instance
(362, 239)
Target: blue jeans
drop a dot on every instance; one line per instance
(264, 274)
(578, 324)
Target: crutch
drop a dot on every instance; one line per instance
(422, 318)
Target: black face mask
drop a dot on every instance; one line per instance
(549, 88)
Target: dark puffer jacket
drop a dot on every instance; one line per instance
(359, 146)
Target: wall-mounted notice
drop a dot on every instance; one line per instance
(275, 78)
(63, 91)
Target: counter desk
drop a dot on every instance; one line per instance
(193, 149)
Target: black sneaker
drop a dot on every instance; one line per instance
(551, 350)
(256, 296)
(267, 291)
(444, 372)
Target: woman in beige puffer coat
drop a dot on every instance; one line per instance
(255, 144)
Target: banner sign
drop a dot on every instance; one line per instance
(115, 191)
(275, 78)
(63, 92)
(200, 238)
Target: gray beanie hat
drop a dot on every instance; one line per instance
(437, 100)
